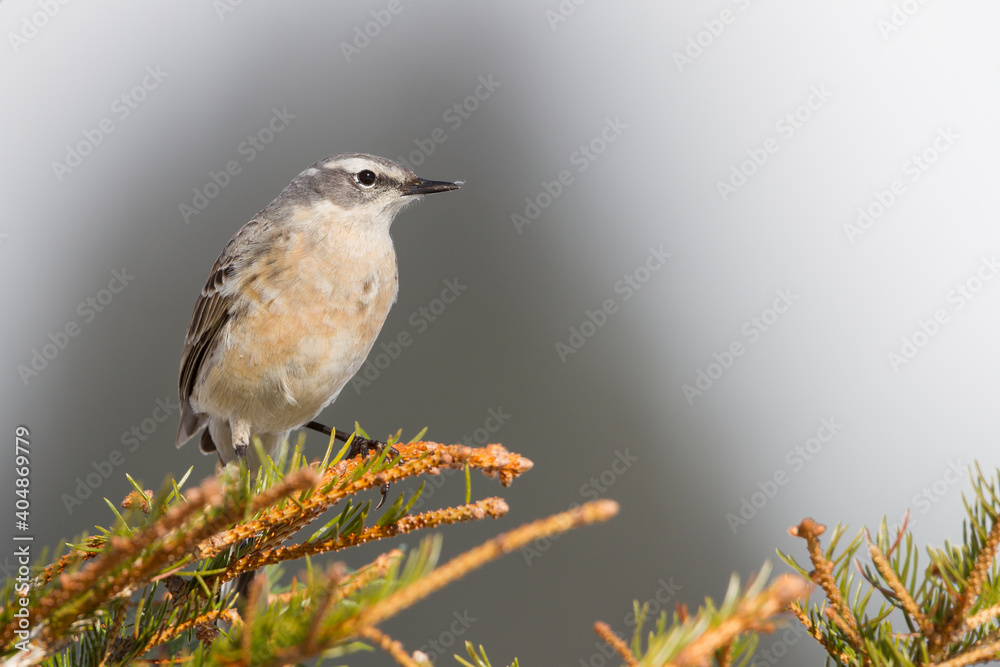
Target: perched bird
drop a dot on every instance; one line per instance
(293, 305)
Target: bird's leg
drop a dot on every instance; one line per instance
(241, 439)
(359, 447)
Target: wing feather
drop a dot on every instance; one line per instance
(216, 306)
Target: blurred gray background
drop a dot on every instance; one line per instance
(822, 176)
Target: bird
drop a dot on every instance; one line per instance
(293, 305)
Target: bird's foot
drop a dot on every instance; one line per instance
(359, 447)
(241, 439)
(241, 451)
(363, 447)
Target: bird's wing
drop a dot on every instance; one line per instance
(216, 305)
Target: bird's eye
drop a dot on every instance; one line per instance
(366, 177)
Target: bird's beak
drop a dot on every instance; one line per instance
(421, 186)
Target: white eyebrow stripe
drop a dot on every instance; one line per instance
(353, 165)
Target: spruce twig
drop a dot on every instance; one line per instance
(952, 614)
(389, 645)
(592, 512)
(822, 574)
(909, 604)
(605, 632)
(489, 507)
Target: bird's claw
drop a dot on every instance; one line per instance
(359, 447)
(363, 447)
(384, 490)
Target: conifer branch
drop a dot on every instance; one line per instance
(955, 623)
(605, 632)
(489, 507)
(753, 614)
(952, 613)
(389, 645)
(720, 636)
(147, 587)
(884, 568)
(822, 575)
(150, 590)
(592, 512)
